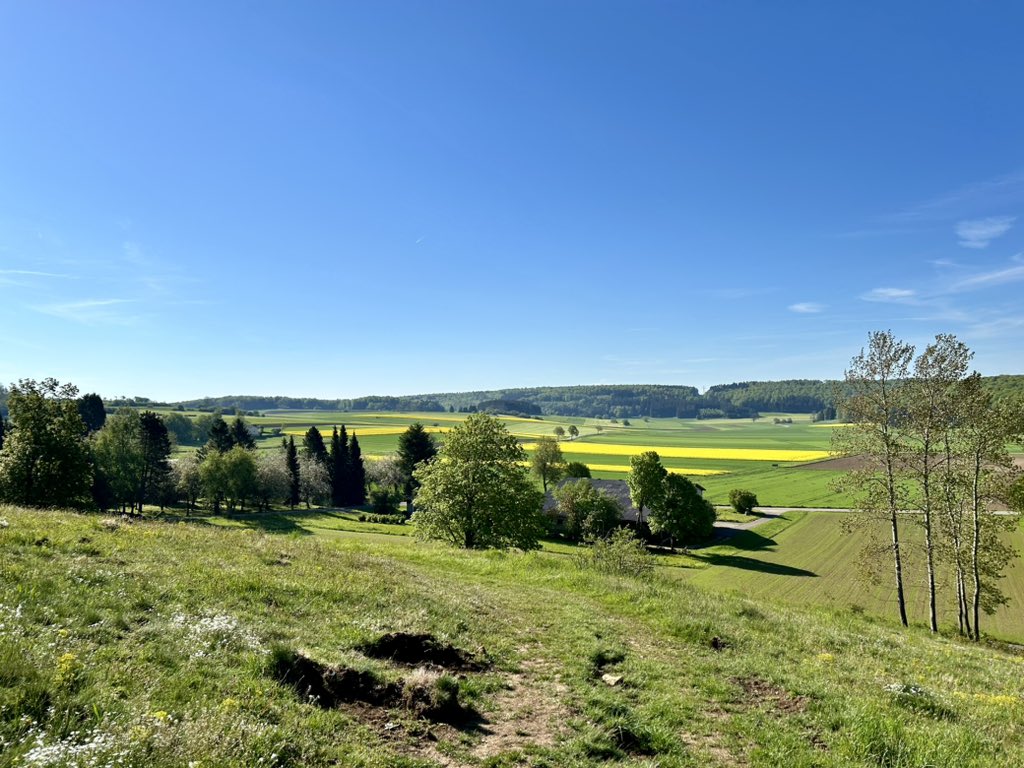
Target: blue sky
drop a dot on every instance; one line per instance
(336, 199)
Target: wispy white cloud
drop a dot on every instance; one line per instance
(978, 233)
(33, 273)
(967, 200)
(90, 311)
(1003, 326)
(806, 308)
(895, 295)
(989, 279)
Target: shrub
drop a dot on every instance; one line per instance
(577, 469)
(621, 554)
(742, 501)
(384, 501)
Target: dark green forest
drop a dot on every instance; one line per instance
(739, 400)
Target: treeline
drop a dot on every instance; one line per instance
(418, 403)
(626, 401)
(61, 450)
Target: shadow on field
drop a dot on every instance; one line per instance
(271, 523)
(751, 564)
(749, 541)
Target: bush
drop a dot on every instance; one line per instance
(383, 519)
(742, 501)
(577, 469)
(384, 501)
(621, 554)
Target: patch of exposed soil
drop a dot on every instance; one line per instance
(417, 650)
(759, 691)
(528, 711)
(841, 464)
(425, 695)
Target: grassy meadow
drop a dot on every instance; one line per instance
(161, 643)
(720, 454)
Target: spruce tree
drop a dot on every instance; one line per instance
(339, 467)
(291, 458)
(220, 436)
(313, 446)
(415, 446)
(240, 434)
(357, 473)
(155, 454)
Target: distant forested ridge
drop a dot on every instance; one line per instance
(604, 401)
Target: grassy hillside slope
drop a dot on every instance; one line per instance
(155, 644)
(815, 561)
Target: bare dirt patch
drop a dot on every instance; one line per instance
(417, 650)
(841, 464)
(423, 694)
(528, 711)
(758, 691)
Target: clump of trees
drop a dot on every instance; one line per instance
(742, 501)
(475, 493)
(932, 442)
(588, 513)
(45, 460)
(678, 512)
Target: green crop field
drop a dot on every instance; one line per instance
(814, 561)
(770, 473)
(163, 643)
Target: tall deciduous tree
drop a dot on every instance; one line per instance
(476, 494)
(873, 399)
(989, 476)
(187, 481)
(546, 461)
(314, 481)
(574, 431)
(929, 397)
(646, 480)
(119, 458)
(45, 459)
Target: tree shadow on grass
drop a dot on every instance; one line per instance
(748, 541)
(270, 522)
(752, 564)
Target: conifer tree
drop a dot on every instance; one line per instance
(357, 473)
(220, 436)
(313, 445)
(339, 467)
(240, 434)
(155, 444)
(292, 462)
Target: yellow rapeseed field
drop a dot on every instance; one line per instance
(366, 431)
(687, 452)
(676, 470)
